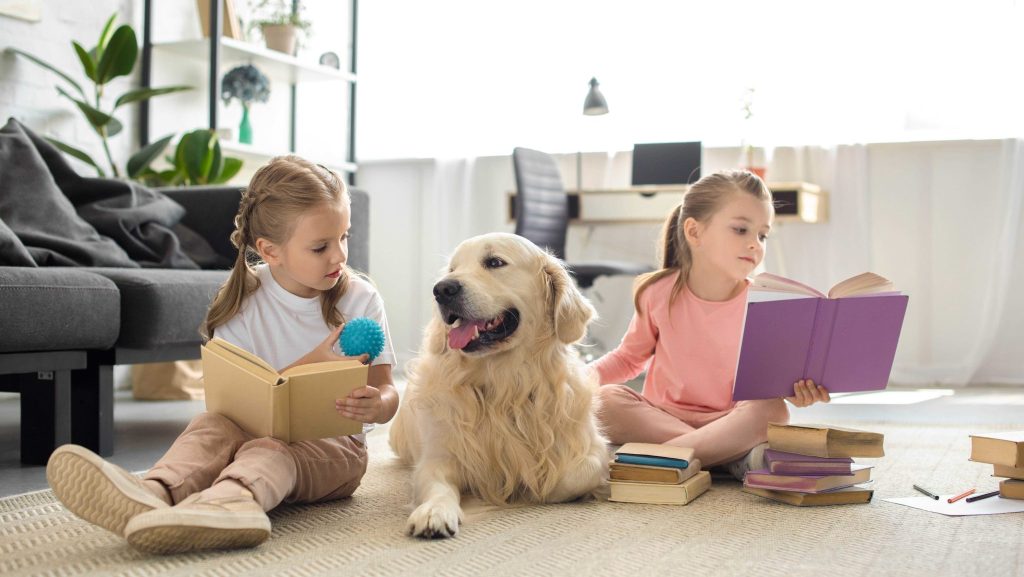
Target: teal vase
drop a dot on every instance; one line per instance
(245, 129)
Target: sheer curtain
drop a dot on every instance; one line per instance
(941, 219)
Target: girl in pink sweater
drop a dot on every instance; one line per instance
(686, 333)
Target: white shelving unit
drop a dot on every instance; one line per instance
(221, 54)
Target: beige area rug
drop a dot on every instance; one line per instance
(725, 532)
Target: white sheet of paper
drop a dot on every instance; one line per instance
(990, 506)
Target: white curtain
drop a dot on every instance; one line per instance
(941, 219)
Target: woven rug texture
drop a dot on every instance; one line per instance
(724, 532)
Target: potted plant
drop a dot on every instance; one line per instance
(246, 84)
(114, 55)
(280, 24)
(747, 160)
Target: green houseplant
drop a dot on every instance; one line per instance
(196, 160)
(113, 56)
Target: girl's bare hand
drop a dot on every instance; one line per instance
(806, 393)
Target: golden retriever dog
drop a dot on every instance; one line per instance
(498, 404)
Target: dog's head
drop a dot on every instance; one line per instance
(501, 290)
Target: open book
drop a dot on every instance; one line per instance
(845, 340)
(296, 405)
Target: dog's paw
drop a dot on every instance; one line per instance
(434, 521)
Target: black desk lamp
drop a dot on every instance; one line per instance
(594, 105)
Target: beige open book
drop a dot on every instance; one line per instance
(296, 405)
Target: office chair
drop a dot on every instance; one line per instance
(542, 215)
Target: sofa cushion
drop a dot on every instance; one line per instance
(162, 307)
(53, 309)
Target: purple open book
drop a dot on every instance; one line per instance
(844, 344)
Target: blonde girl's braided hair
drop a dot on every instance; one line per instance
(279, 192)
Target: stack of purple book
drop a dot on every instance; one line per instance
(807, 480)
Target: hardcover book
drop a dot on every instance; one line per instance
(844, 496)
(825, 441)
(652, 474)
(1011, 472)
(295, 405)
(656, 494)
(783, 463)
(845, 340)
(1011, 489)
(999, 449)
(764, 479)
(654, 454)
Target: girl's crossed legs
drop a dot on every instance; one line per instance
(716, 437)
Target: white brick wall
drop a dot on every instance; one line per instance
(28, 93)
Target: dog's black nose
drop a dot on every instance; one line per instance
(446, 290)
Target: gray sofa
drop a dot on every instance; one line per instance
(63, 329)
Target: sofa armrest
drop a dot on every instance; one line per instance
(210, 212)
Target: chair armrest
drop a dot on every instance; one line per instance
(210, 212)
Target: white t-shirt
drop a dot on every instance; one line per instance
(281, 327)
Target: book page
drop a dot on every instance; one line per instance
(774, 282)
(224, 348)
(862, 284)
(323, 367)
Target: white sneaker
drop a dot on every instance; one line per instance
(98, 491)
(752, 461)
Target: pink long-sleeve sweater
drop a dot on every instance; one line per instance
(690, 350)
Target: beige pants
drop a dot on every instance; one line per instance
(213, 449)
(716, 437)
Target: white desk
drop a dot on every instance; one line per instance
(794, 201)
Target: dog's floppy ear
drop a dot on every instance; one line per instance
(570, 310)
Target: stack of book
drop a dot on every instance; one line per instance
(808, 465)
(659, 474)
(1005, 452)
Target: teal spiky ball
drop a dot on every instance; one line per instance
(362, 335)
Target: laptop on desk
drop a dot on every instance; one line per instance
(658, 164)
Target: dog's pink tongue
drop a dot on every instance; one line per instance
(460, 336)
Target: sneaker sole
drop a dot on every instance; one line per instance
(171, 532)
(90, 488)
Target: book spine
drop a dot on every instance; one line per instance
(652, 461)
(821, 339)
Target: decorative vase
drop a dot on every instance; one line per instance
(280, 37)
(245, 129)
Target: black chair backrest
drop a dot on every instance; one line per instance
(542, 205)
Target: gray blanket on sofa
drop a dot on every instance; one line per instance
(51, 216)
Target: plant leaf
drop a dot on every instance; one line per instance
(96, 118)
(217, 163)
(88, 64)
(101, 45)
(144, 93)
(140, 161)
(118, 59)
(80, 155)
(114, 127)
(196, 155)
(49, 67)
(231, 167)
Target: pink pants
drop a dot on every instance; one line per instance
(716, 437)
(213, 449)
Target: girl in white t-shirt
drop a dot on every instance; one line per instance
(214, 485)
